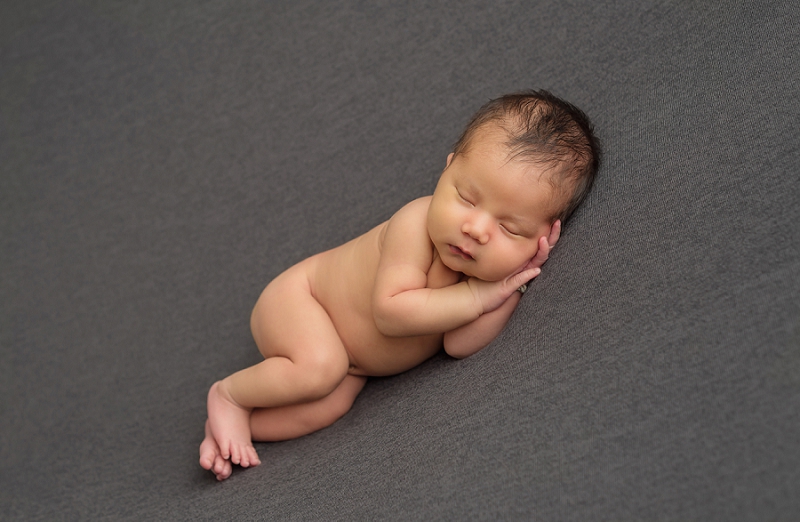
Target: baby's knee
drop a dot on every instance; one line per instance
(323, 374)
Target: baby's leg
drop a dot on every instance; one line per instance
(305, 361)
(286, 422)
(296, 420)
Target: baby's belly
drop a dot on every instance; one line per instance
(374, 354)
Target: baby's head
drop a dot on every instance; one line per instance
(549, 133)
(524, 162)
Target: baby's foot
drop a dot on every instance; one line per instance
(230, 428)
(211, 459)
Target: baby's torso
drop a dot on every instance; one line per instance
(342, 280)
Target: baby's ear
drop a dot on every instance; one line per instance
(449, 159)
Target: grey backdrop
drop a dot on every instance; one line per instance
(160, 162)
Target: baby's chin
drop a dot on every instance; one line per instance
(477, 274)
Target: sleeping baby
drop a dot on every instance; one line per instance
(445, 271)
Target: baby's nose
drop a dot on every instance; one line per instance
(477, 230)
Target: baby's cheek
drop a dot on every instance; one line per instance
(533, 247)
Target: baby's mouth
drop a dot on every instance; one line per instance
(460, 252)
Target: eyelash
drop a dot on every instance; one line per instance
(510, 232)
(464, 199)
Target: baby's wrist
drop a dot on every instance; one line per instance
(476, 296)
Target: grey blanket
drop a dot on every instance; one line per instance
(160, 162)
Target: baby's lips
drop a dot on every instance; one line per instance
(461, 252)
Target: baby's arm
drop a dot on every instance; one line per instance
(472, 337)
(403, 306)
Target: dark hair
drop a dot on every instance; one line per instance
(547, 130)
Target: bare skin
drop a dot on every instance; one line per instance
(443, 271)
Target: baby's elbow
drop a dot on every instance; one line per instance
(455, 354)
(383, 326)
(384, 320)
(456, 346)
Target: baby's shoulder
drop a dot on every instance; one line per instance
(406, 232)
(413, 215)
(417, 209)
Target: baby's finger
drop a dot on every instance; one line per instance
(542, 254)
(555, 233)
(525, 276)
(545, 247)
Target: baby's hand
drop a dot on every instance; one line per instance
(546, 245)
(493, 294)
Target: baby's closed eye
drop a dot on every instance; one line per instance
(464, 198)
(513, 230)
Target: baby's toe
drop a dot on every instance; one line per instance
(220, 465)
(225, 449)
(206, 462)
(244, 460)
(247, 456)
(254, 460)
(225, 470)
(236, 456)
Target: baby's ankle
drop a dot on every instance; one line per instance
(223, 390)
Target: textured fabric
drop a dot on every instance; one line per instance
(160, 162)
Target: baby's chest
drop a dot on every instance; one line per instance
(440, 276)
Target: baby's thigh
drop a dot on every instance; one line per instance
(288, 321)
